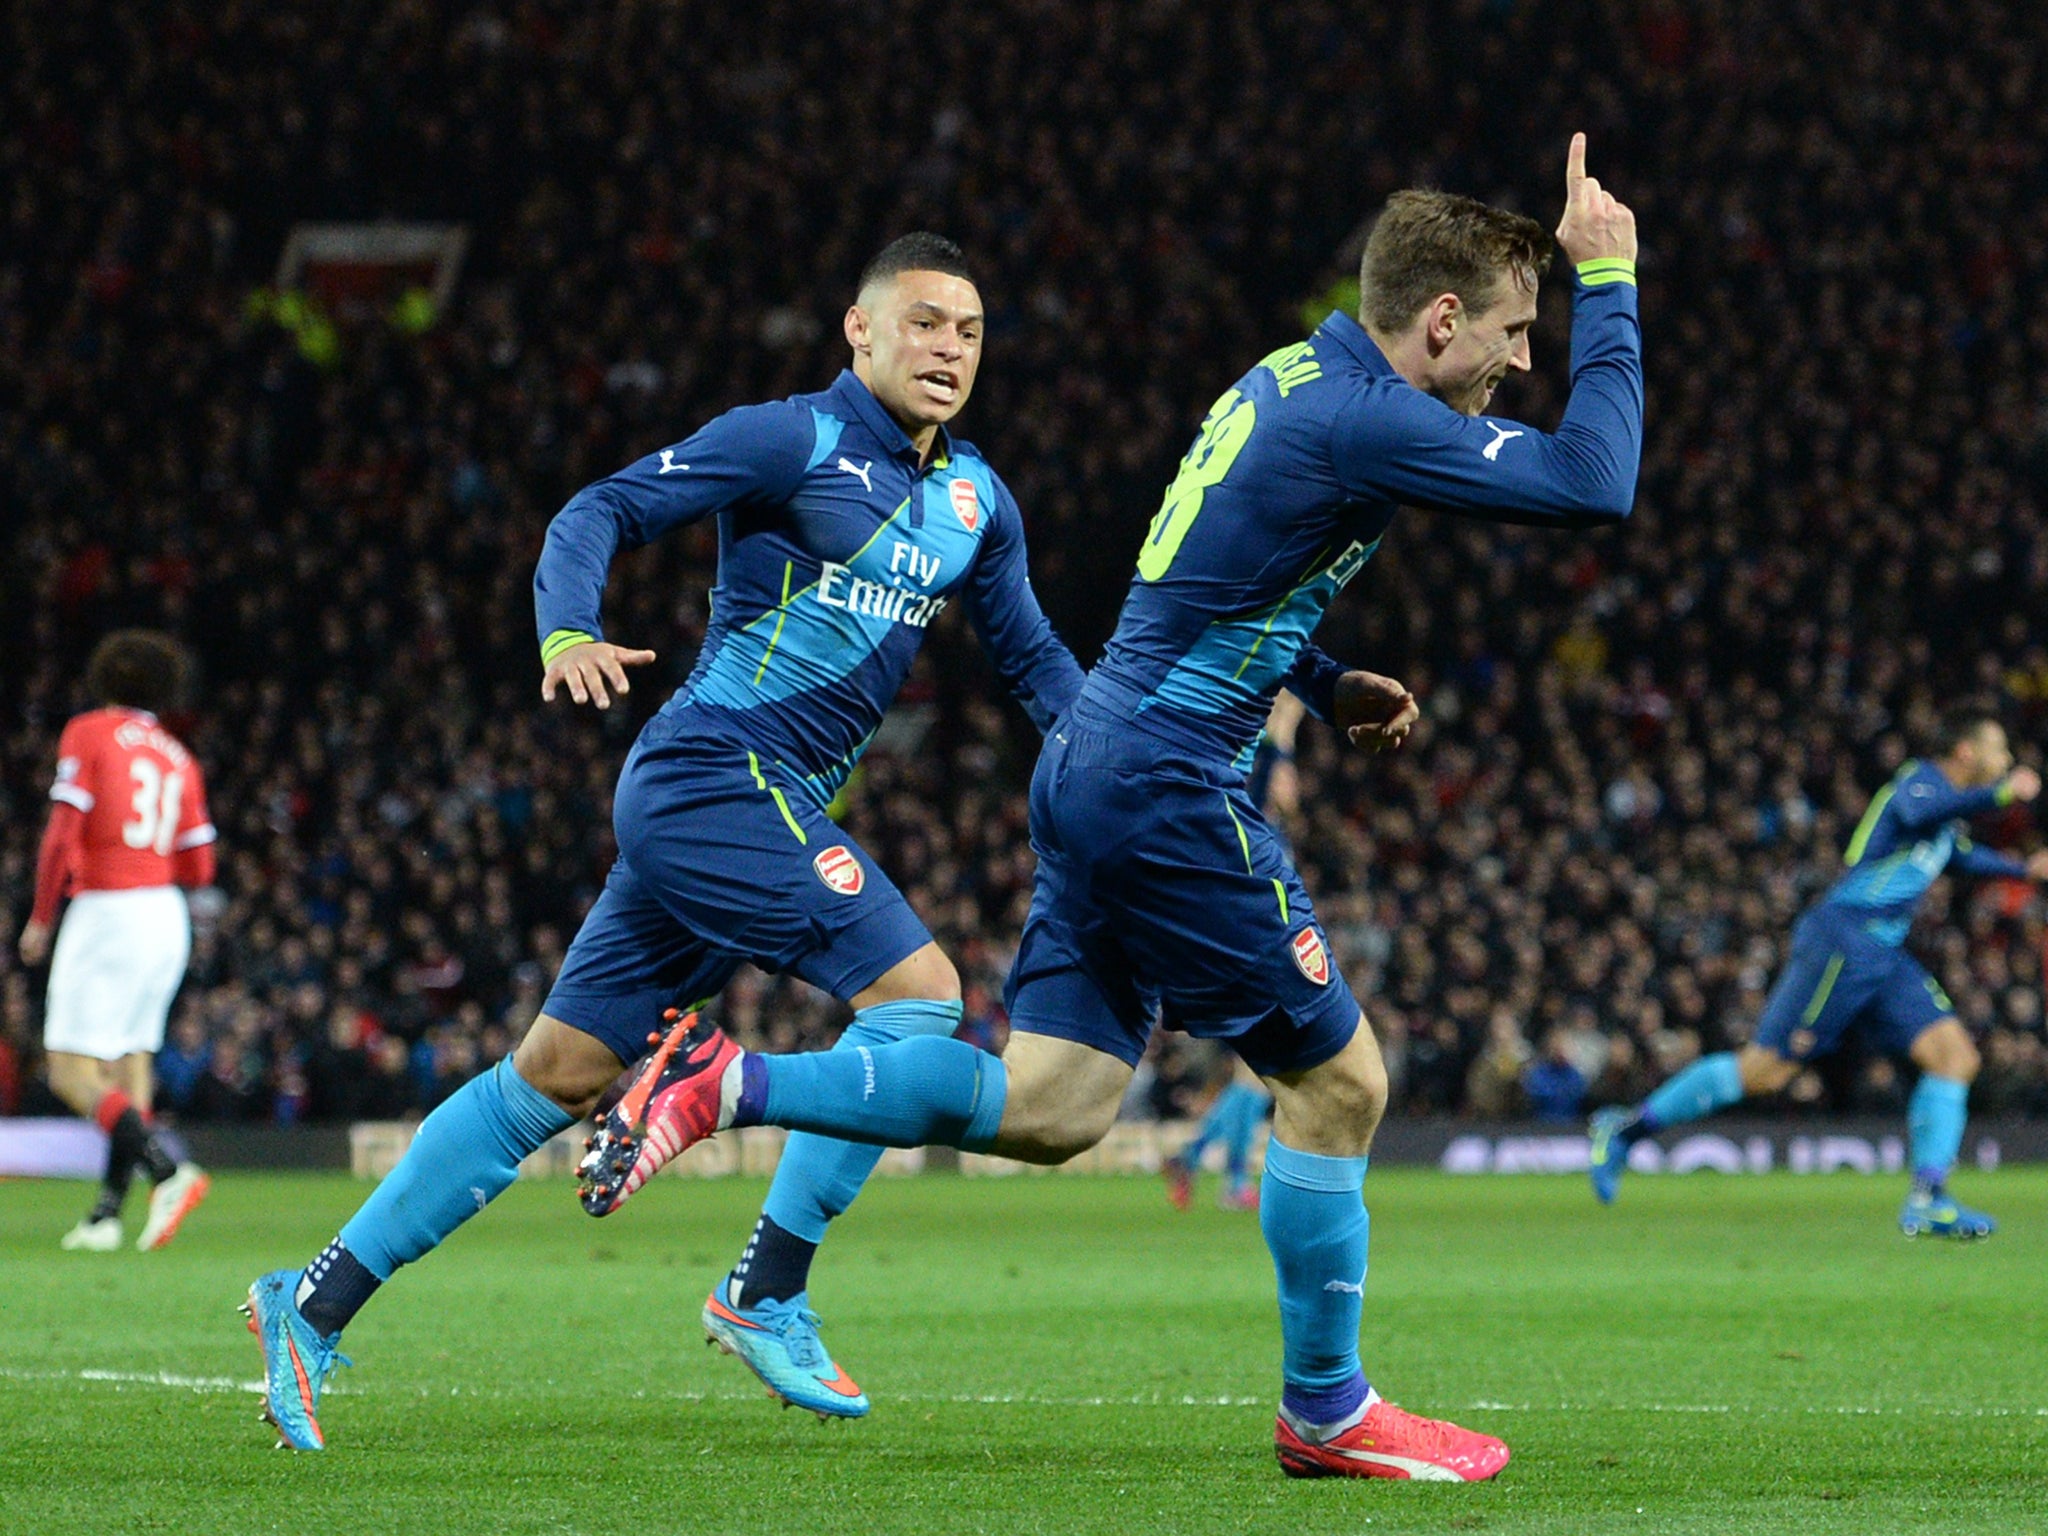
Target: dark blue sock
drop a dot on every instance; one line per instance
(334, 1288)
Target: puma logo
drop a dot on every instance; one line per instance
(1492, 450)
(668, 462)
(860, 471)
(1346, 1285)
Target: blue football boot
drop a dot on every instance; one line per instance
(297, 1360)
(1607, 1152)
(1939, 1214)
(778, 1341)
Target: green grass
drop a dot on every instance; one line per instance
(1054, 1355)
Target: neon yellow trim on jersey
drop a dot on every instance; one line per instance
(2003, 795)
(1603, 270)
(1820, 993)
(560, 641)
(782, 805)
(781, 613)
(1281, 891)
(1859, 840)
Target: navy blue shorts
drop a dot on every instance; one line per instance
(1837, 978)
(722, 861)
(1161, 888)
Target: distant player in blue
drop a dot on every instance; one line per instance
(1848, 970)
(1233, 1120)
(1161, 889)
(847, 521)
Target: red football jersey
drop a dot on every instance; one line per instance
(142, 795)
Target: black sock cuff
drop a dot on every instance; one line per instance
(776, 1265)
(334, 1288)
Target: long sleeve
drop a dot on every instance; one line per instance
(1396, 443)
(1313, 680)
(57, 861)
(754, 455)
(1927, 799)
(1030, 658)
(1987, 863)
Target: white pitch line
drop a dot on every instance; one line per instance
(1847, 1410)
(183, 1383)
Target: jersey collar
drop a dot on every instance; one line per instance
(848, 391)
(1350, 337)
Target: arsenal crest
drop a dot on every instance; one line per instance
(1310, 957)
(966, 505)
(838, 868)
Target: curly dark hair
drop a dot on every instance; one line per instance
(139, 668)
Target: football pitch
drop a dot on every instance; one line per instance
(1724, 1355)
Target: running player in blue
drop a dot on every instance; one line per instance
(847, 520)
(1161, 889)
(1848, 970)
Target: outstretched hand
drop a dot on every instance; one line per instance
(1595, 224)
(585, 670)
(2024, 783)
(1374, 712)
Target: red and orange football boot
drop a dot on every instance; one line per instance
(670, 1104)
(1388, 1442)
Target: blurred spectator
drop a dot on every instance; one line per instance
(1643, 749)
(1554, 1087)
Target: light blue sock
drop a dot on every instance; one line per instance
(819, 1176)
(1934, 1124)
(1312, 1211)
(463, 1157)
(915, 1093)
(1711, 1083)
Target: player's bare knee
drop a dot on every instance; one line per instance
(77, 1080)
(1049, 1118)
(564, 1064)
(1764, 1072)
(1049, 1139)
(926, 975)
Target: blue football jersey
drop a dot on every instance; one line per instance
(1914, 828)
(1293, 479)
(836, 550)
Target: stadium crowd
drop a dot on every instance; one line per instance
(1642, 750)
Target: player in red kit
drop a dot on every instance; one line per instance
(128, 829)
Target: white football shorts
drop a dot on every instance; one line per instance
(116, 966)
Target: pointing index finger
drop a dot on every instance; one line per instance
(1575, 165)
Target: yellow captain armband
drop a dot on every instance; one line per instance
(560, 641)
(1603, 270)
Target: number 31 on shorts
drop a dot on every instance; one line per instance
(1225, 430)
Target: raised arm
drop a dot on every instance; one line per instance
(1032, 662)
(1398, 443)
(1927, 799)
(753, 455)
